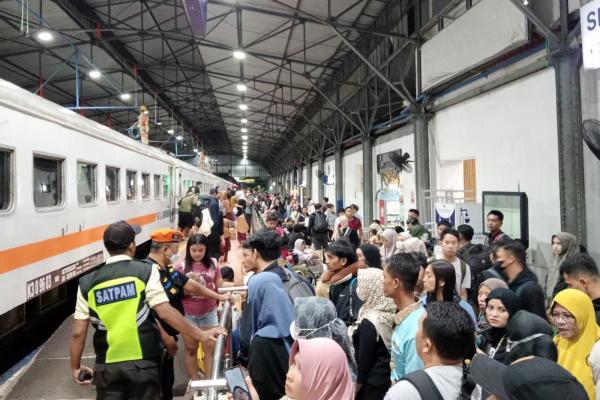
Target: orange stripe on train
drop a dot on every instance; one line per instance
(21, 256)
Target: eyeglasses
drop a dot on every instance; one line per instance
(565, 317)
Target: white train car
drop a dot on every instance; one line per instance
(63, 179)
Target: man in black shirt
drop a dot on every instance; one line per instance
(318, 228)
(165, 243)
(512, 259)
(581, 272)
(494, 220)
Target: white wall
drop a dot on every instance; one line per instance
(590, 104)
(512, 134)
(353, 179)
(402, 138)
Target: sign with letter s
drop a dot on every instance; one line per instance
(590, 34)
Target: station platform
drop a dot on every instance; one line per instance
(46, 372)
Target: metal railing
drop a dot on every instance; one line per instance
(216, 382)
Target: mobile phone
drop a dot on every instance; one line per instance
(237, 384)
(84, 376)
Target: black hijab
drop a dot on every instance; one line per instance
(372, 255)
(493, 336)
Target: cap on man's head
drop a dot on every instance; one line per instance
(119, 235)
(528, 378)
(166, 235)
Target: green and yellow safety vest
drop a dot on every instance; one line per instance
(125, 327)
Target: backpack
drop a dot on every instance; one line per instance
(200, 206)
(478, 258)
(296, 286)
(320, 225)
(424, 385)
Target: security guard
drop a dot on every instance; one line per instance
(163, 250)
(116, 299)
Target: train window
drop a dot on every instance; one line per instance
(166, 185)
(145, 186)
(48, 184)
(156, 187)
(5, 179)
(112, 184)
(86, 183)
(131, 185)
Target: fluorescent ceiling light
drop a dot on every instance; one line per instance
(171, 131)
(244, 137)
(95, 74)
(244, 130)
(245, 143)
(241, 87)
(244, 121)
(195, 150)
(179, 138)
(125, 96)
(45, 36)
(239, 55)
(243, 107)
(159, 123)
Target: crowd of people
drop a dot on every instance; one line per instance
(335, 311)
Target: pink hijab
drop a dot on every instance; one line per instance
(324, 369)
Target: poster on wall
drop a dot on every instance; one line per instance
(470, 214)
(445, 212)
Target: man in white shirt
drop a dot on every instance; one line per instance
(449, 240)
(446, 337)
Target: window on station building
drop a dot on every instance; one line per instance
(166, 185)
(156, 187)
(145, 186)
(131, 185)
(112, 184)
(48, 185)
(86, 183)
(6, 179)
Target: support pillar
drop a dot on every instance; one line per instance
(566, 59)
(422, 174)
(339, 177)
(309, 179)
(367, 172)
(320, 185)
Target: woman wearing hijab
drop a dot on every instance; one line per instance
(485, 288)
(373, 335)
(573, 316)
(299, 250)
(389, 247)
(272, 315)
(564, 245)
(501, 305)
(369, 254)
(415, 245)
(316, 317)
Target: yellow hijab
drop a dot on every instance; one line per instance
(573, 354)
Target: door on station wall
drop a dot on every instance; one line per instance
(470, 181)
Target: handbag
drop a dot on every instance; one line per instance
(207, 223)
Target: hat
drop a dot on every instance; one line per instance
(120, 234)
(166, 235)
(531, 378)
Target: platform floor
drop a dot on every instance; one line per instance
(48, 375)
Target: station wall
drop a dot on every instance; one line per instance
(511, 133)
(353, 177)
(590, 105)
(330, 171)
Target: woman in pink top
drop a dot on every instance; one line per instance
(201, 311)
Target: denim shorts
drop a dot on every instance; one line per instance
(205, 320)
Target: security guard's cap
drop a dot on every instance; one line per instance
(166, 235)
(119, 235)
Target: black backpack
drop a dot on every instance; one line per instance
(478, 258)
(320, 223)
(197, 209)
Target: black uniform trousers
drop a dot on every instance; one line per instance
(135, 380)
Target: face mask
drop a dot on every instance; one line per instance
(359, 294)
(298, 333)
(174, 258)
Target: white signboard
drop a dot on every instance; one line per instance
(590, 34)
